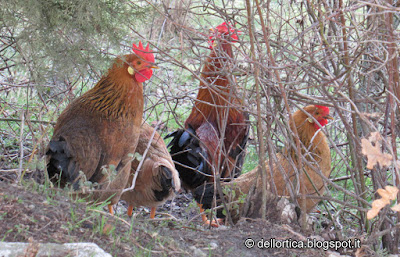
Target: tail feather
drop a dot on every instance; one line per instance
(189, 157)
(175, 136)
(167, 183)
(196, 155)
(185, 137)
(60, 166)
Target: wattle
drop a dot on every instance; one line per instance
(143, 75)
(323, 122)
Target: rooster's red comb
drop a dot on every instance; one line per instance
(226, 29)
(145, 54)
(324, 109)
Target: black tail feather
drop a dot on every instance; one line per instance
(59, 166)
(190, 159)
(166, 182)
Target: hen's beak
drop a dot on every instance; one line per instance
(152, 66)
(328, 117)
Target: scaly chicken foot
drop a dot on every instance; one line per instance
(152, 211)
(111, 209)
(130, 210)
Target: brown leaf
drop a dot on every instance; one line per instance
(375, 137)
(392, 191)
(374, 153)
(385, 194)
(372, 213)
(379, 204)
(396, 208)
(364, 251)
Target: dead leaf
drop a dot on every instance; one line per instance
(379, 204)
(364, 251)
(392, 192)
(374, 153)
(396, 208)
(372, 213)
(375, 137)
(385, 194)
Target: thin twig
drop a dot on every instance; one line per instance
(33, 121)
(143, 157)
(21, 147)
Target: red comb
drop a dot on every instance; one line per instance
(225, 29)
(145, 54)
(324, 109)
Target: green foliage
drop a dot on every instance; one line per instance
(233, 201)
(251, 159)
(57, 39)
(135, 156)
(6, 233)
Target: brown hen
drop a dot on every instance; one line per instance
(315, 151)
(158, 180)
(95, 135)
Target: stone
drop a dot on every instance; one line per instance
(50, 249)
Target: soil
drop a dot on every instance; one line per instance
(35, 212)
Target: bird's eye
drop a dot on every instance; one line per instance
(139, 62)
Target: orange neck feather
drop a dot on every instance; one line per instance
(116, 95)
(306, 131)
(214, 101)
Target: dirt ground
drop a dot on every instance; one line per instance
(35, 212)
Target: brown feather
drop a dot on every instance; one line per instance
(101, 128)
(149, 177)
(216, 103)
(318, 157)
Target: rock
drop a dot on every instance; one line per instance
(288, 209)
(197, 252)
(213, 245)
(50, 249)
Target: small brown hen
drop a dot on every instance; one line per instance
(95, 135)
(158, 180)
(315, 151)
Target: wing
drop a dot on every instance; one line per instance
(75, 152)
